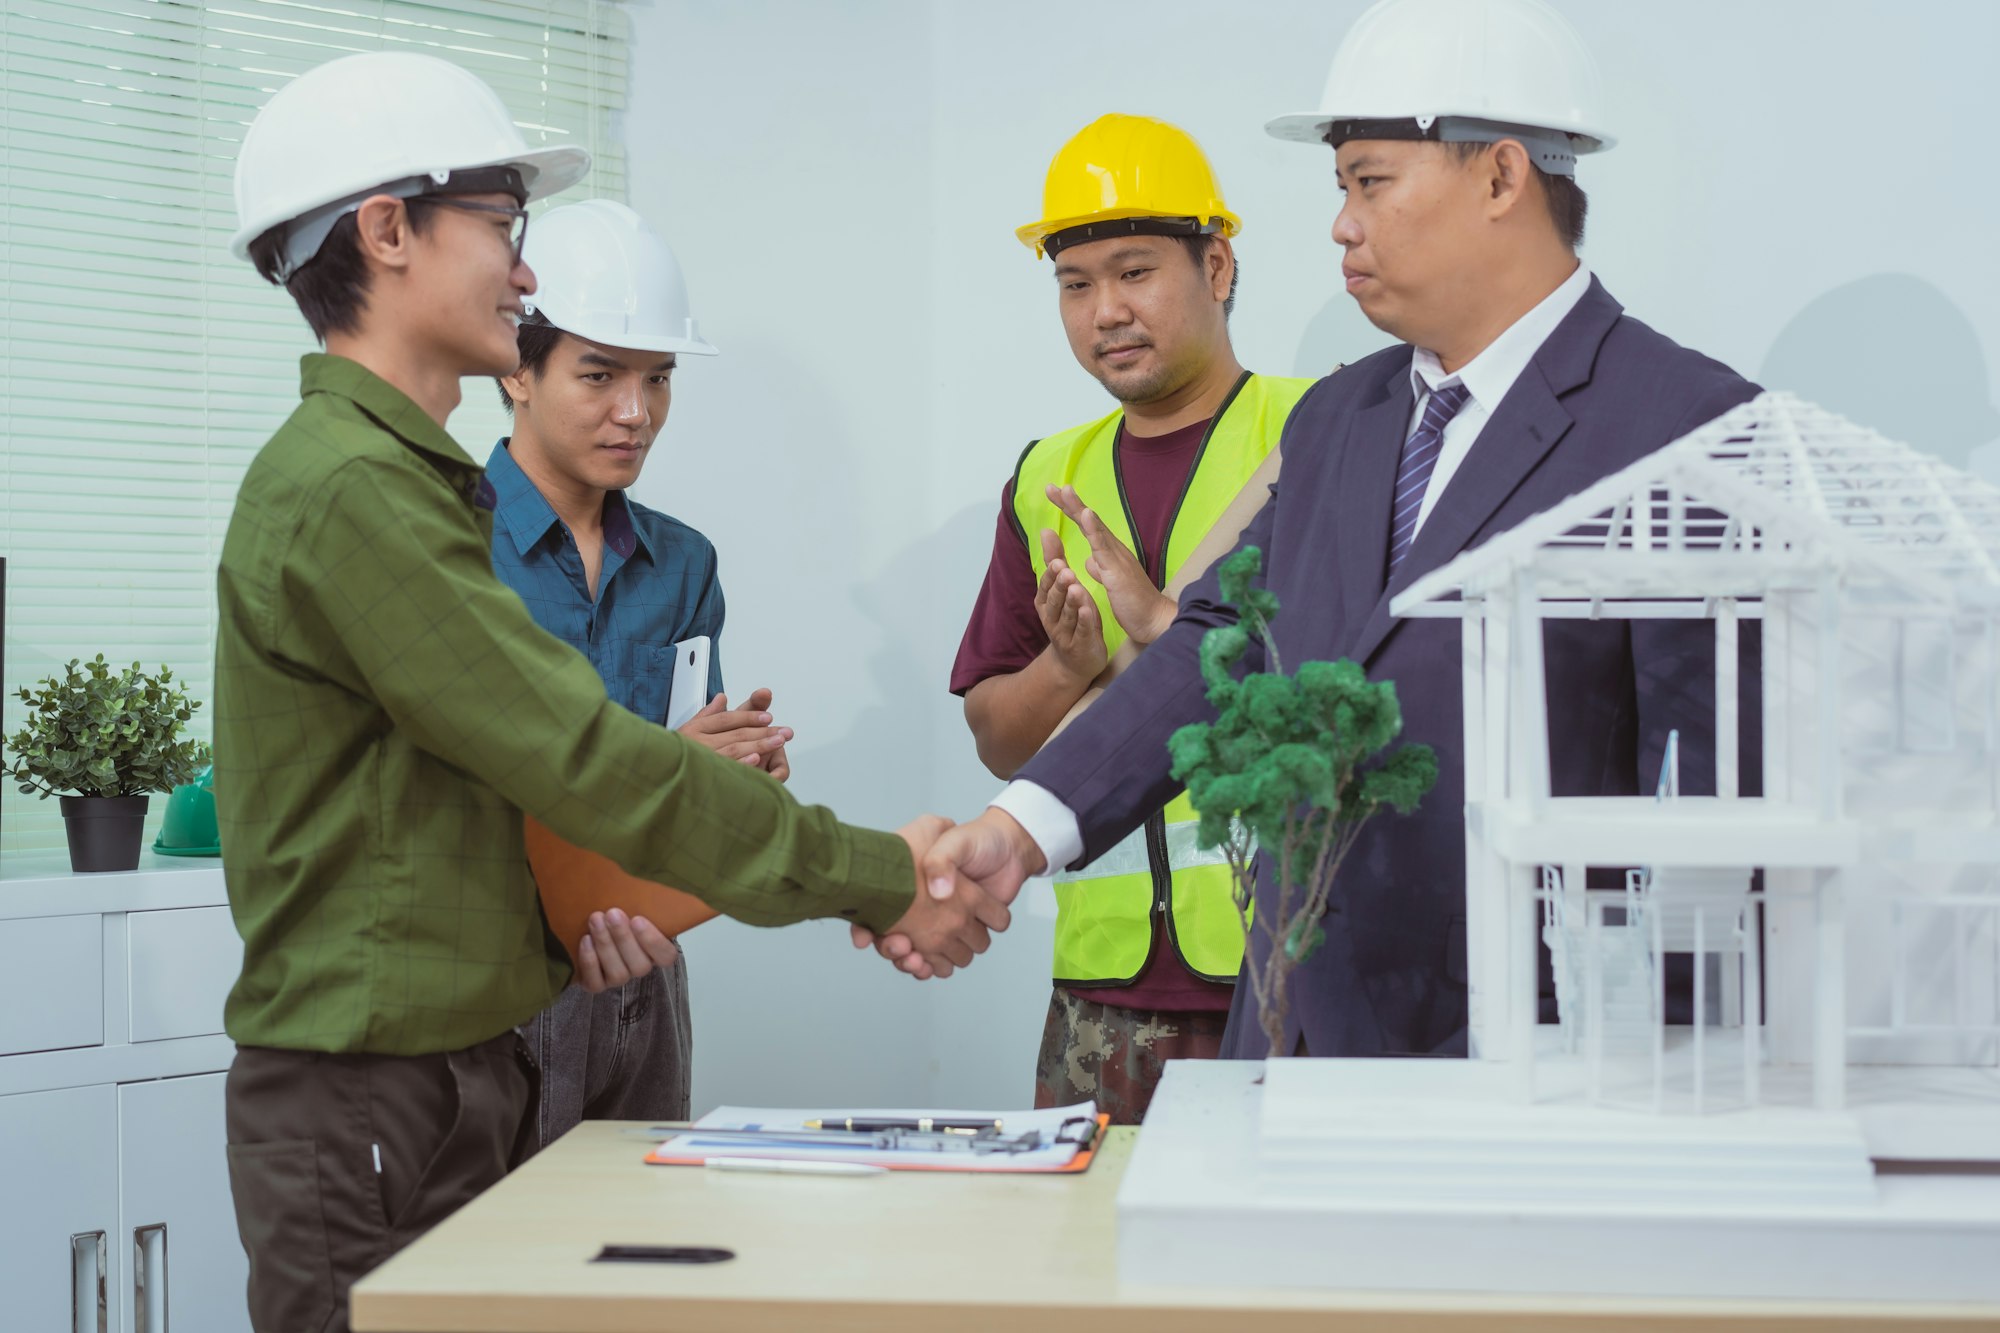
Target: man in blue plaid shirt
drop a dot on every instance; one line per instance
(620, 583)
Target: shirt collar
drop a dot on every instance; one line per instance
(622, 530)
(527, 515)
(1488, 376)
(517, 505)
(321, 372)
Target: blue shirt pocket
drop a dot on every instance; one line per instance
(640, 676)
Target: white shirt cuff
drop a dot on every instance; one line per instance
(1051, 824)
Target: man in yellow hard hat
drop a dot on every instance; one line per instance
(1454, 129)
(1095, 521)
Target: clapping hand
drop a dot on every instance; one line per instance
(744, 734)
(1140, 607)
(1069, 616)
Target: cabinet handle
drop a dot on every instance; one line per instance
(149, 1279)
(87, 1248)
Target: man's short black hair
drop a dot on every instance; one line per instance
(331, 288)
(1568, 206)
(1197, 248)
(535, 339)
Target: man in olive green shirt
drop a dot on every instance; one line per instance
(386, 709)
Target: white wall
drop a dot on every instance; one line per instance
(842, 183)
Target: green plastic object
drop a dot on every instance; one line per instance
(189, 827)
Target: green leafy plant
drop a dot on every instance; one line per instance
(95, 732)
(1292, 765)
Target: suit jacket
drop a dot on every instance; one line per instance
(1602, 391)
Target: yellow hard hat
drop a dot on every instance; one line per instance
(1131, 170)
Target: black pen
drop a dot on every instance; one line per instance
(925, 1124)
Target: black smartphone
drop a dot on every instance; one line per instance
(662, 1254)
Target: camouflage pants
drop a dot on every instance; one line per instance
(1113, 1056)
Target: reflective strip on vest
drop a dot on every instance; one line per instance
(1104, 928)
(1129, 857)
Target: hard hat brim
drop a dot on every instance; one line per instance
(1303, 127)
(626, 342)
(1034, 233)
(677, 346)
(544, 171)
(1311, 127)
(556, 168)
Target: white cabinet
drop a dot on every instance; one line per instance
(176, 1223)
(51, 983)
(58, 1181)
(115, 1214)
(183, 964)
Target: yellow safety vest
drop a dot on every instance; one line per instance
(1104, 911)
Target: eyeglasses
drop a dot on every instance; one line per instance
(517, 233)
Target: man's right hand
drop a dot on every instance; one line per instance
(986, 860)
(1069, 615)
(941, 931)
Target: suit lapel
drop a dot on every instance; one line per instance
(1368, 487)
(1516, 438)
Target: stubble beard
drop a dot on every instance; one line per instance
(1155, 383)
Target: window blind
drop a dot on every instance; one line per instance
(141, 367)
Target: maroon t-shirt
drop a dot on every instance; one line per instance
(1005, 634)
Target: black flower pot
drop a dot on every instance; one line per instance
(104, 831)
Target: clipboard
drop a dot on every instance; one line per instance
(575, 881)
(1076, 1165)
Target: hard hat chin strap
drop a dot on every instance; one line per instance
(1550, 150)
(304, 235)
(1098, 231)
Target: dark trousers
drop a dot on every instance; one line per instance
(1114, 1056)
(623, 1054)
(338, 1161)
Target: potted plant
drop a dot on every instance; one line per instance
(102, 741)
(1295, 765)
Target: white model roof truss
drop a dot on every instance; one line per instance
(1774, 495)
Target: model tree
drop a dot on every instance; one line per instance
(1294, 765)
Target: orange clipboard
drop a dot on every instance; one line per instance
(1076, 1165)
(575, 881)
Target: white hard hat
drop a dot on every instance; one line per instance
(381, 122)
(601, 273)
(1461, 70)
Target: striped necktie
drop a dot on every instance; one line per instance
(1413, 474)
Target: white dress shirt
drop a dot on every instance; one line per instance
(1487, 378)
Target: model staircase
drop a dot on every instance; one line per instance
(1624, 978)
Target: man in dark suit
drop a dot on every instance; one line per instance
(1517, 382)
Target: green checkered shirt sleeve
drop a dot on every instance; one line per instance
(394, 581)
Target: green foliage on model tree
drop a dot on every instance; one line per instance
(1294, 765)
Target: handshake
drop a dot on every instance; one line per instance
(967, 876)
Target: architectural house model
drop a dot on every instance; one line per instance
(1843, 922)
(1872, 568)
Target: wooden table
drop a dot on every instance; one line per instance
(914, 1251)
